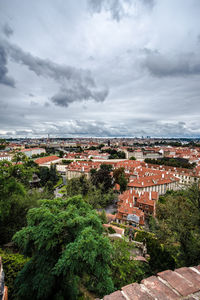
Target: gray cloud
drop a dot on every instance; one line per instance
(118, 8)
(150, 92)
(75, 84)
(4, 79)
(7, 30)
(88, 128)
(80, 93)
(172, 65)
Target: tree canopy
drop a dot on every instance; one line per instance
(119, 177)
(178, 225)
(64, 238)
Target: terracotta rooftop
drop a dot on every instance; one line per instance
(183, 283)
(47, 159)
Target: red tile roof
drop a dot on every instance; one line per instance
(43, 160)
(167, 285)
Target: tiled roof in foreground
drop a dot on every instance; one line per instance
(183, 283)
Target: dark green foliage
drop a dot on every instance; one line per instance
(111, 230)
(174, 162)
(92, 148)
(106, 167)
(20, 157)
(77, 186)
(132, 158)
(125, 269)
(119, 177)
(15, 200)
(114, 154)
(123, 183)
(12, 264)
(3, 144)
(117, 173)
(103, 217)
(43, 154)
(92, 195)
(160, 258)
(97, 198)
(178, 220)
(102, 179)
(23, 173)
(64, 238)
(66, 161)
(50, 151)
(61, 153)
(48, 174)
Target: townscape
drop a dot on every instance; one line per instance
(130, 183)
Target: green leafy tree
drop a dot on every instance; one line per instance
(66, 161)
(97, 199)
(160, 257)
(48, 174)
(125, 269)
(23, 172)
(123, 183)
(103, 179)
(93, 195)
(61, 153)
(132, 158)
(106, 167)
(103, 217)
(64, 238)
(14, 200)
(117, 173)
(178, 219)
(119, 177)
(74, 186)
(3, 144)
(20, 157)
(12, 264)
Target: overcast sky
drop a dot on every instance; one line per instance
(99, 68)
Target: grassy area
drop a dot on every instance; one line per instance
(60, 181)
(63, 190)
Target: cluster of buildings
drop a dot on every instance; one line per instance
(146, 182)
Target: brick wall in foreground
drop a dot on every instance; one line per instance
(183, 283)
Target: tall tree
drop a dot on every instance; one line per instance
(119, 177)
(102, 178)
(178, 225)
(64, 238)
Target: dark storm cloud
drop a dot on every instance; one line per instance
(67, 96)
(4, 78)
(161, 65)
(7, 30)
(75, 84)
(116, 7)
